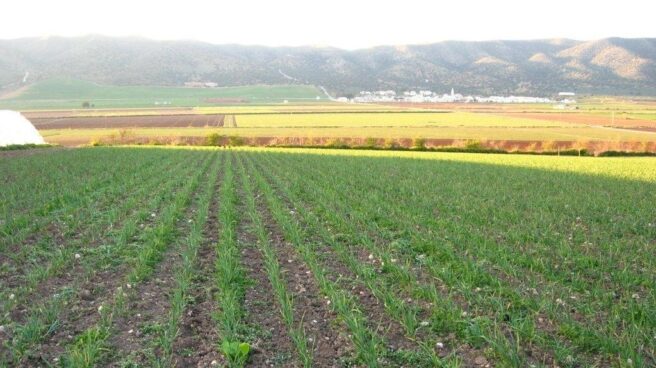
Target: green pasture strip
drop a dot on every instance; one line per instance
(62, 93)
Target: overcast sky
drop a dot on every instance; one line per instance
(347, 24)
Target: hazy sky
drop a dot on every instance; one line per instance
(346, 24)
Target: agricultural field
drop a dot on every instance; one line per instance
(203, 257)
(74, 137)
(292, 115)
(301, 122)
(71, 94)
(145, 121)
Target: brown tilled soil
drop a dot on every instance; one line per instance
(82, 312)
(196, 344)
(148, 304)
(54, 114)
(30, 152)
(144, 121)
(329, 340)
(58, 234)
(379, 321)
(392, 331)
(273, 346)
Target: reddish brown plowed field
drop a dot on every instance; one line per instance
(115, 112)
(159, 121)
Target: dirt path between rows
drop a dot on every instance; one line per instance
(272, 346)
(196, 343)
(330, 342)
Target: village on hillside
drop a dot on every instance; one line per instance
(426, 96)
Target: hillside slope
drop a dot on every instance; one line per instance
(608, 66)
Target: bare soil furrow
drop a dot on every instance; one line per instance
(82, 311)
(331, 345)
(272, 344)
(195, 345)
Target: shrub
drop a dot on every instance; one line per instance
(215, 139)
(336, 143)
(625, 153)
(236, 141)
(370, 142)
(419, 144)
(474, 145)
(390, 143)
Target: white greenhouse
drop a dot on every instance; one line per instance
(16, 129)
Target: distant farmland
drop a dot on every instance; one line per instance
(291, 116)
(108, 122)
(72, 94)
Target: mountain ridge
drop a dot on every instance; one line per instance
(533, 67)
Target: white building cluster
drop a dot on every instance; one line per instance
(425, 96)
(201, 84)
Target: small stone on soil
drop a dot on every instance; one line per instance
(480, 360)
(86, 295)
